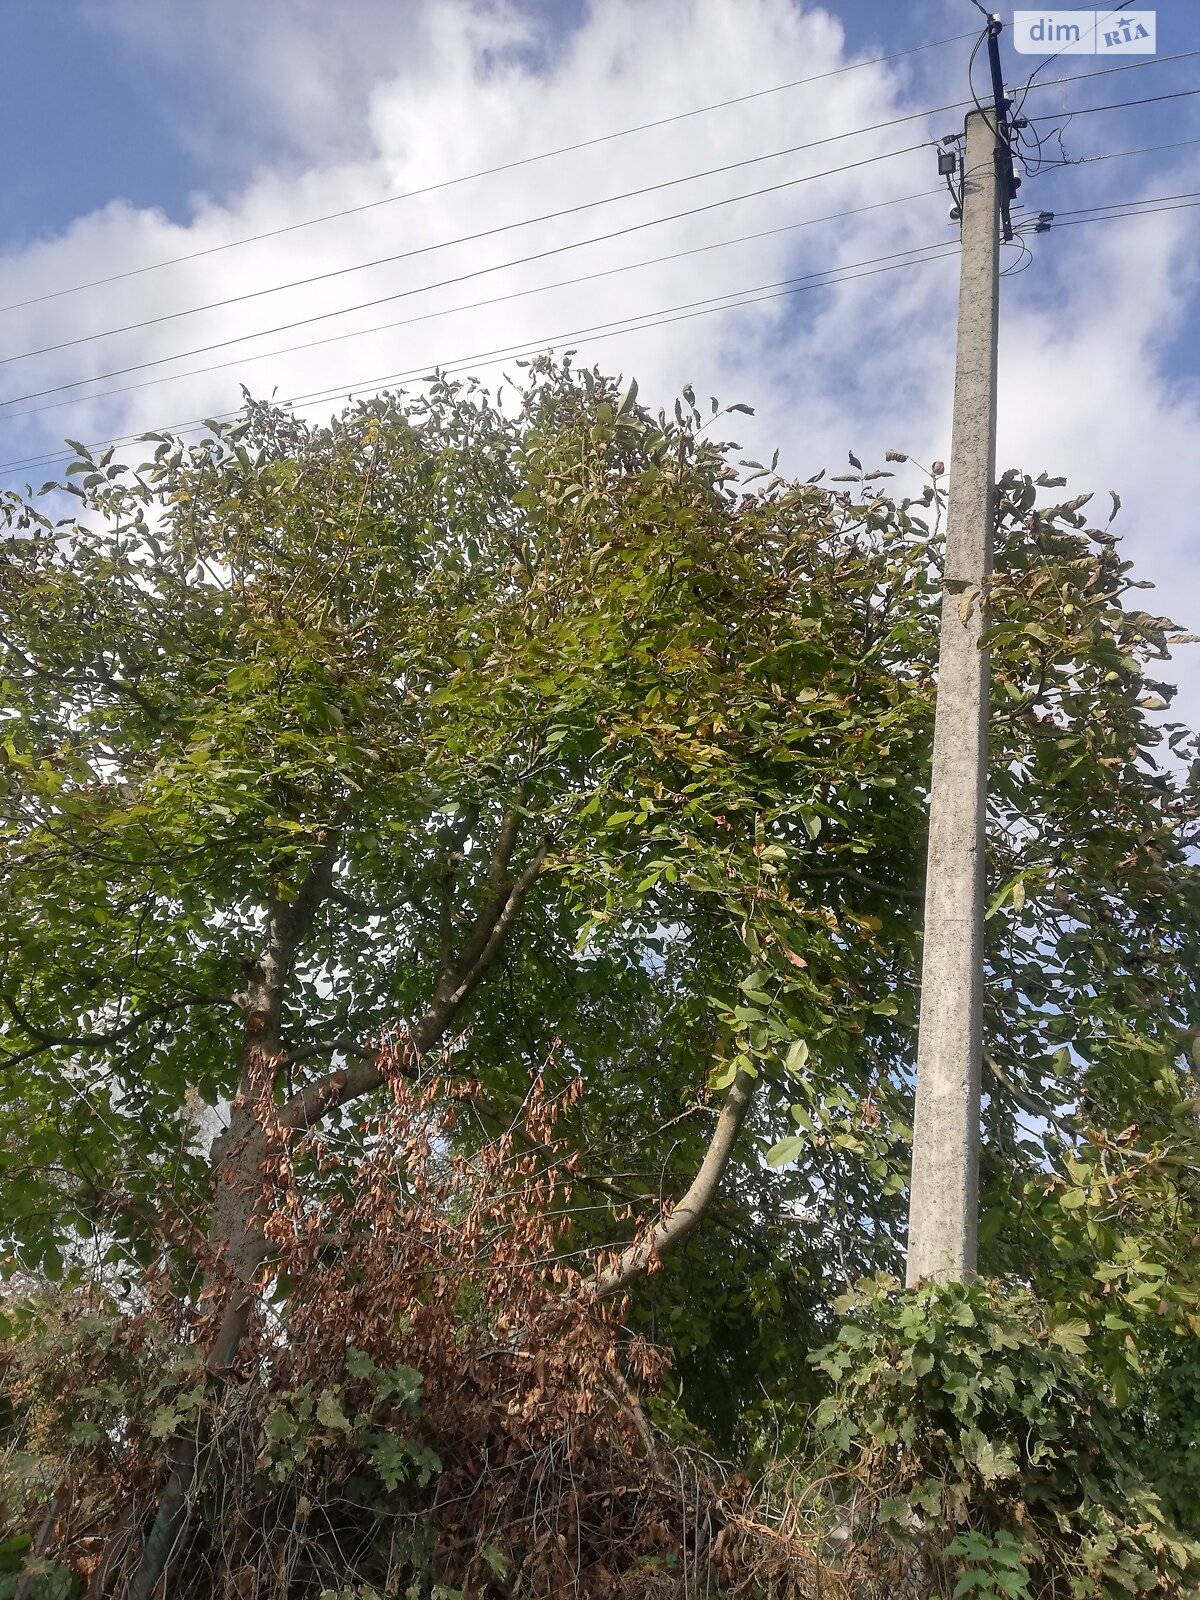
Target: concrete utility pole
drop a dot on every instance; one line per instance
(943, 1213)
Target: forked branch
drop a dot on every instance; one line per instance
(457, 983)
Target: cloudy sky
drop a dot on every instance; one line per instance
(140, 132)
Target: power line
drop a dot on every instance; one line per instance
(1116, 208)
(1119, 216)
(1112, 205)
(1042, 65)
(939, 251)
(486, 172)
(502, 266)
(1111, 155)
(474, 305)
(837, 275)
(550, 216)
(691, 211)
(483, 233)
(946, 250)
(1116, 105)
(462, 277)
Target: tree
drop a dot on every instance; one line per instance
(524, 746)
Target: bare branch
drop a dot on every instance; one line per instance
(48, 1040)
(895, 891)
(327, 1047)
(371, 908)
(687, 1214)
(1031, 1107)
(454, 838)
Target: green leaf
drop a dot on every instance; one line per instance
(797, 1056)
(1072, 1336)
(280, 1425)
(786, 1150)
(164, 1422)
(995, 1459)
(329, 1411)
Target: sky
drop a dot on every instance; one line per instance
(173, 132)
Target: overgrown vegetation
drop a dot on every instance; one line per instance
(504, 822)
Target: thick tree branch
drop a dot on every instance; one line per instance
(454, 988)
(372, 908)
(615, 1191)
(672, 1229)
(103, 679)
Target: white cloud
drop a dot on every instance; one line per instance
(340, 107)
(1082, 393)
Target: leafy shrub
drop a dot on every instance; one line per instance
(979, 1440)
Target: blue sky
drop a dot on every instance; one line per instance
(119, 128)
(176, 129)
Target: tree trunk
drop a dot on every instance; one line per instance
(239, 1153)
(237, 1225)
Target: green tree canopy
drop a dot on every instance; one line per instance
(539, 732)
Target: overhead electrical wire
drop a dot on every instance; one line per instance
(587, 205)
(634, 324)
(1111, 205)
(1042, 65)
(449, 311)
(486, 172)
(501, 266)
(1111, 155)
(1118, 216)
(637, 324)
(645, 322)
(487, 233)
(1115, 105)
(462, 277)
(939, 251)
(1024, 258)
(221, 366)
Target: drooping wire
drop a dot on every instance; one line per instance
(975, 49)
(1034, 139)
(487, 172)
(1024, 258)
(943, 250)
(1116, 155)
(1029, 144)
(1042, 65)
(476, 305)
(462, 277)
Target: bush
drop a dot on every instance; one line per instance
(979, 1442)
